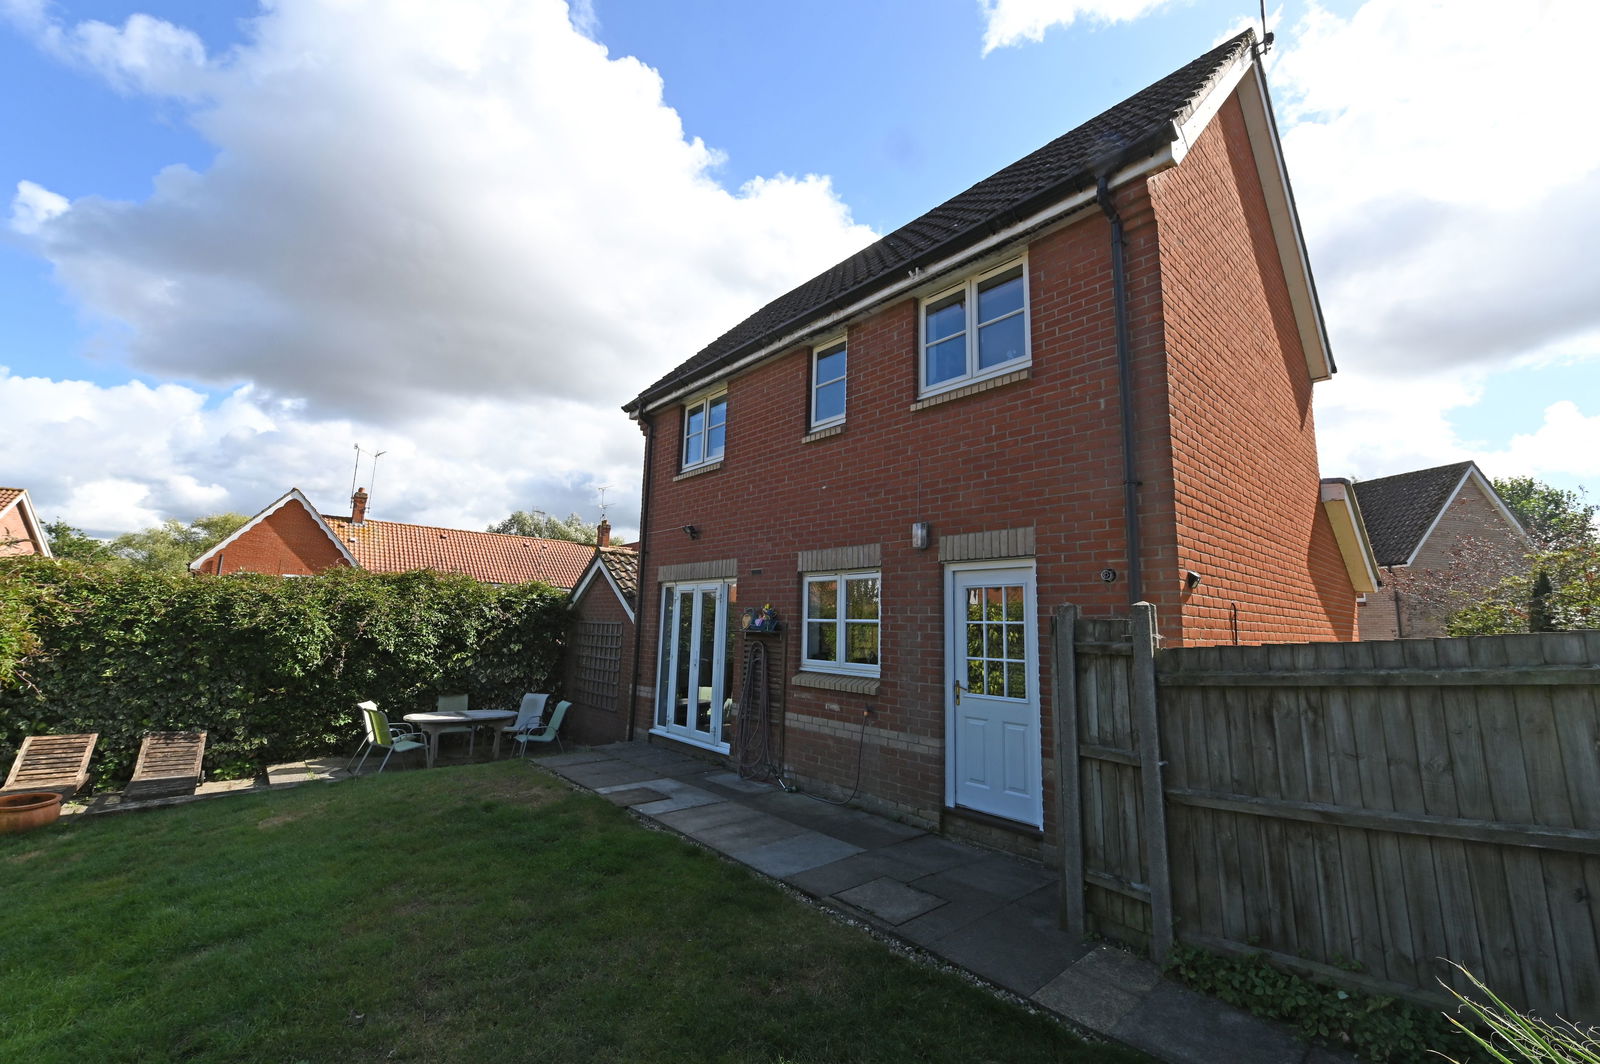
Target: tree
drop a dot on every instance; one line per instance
(172, 545)
(1561, 593)
(541, 525)
(68, 542)
(1554, 517)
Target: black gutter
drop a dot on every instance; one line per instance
(1130, 483)
(649, 426)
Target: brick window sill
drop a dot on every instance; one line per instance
(1014, 377)
(829, 681)
(709, 467)
(822, 434)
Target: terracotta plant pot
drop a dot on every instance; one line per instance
(29, 810)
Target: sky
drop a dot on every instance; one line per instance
(239, 240)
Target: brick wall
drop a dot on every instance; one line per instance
(1472, 548)
(1244, 462)
(288, 542)
(591, 722)
(15, 537)
(1039, 452)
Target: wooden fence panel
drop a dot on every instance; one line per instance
(1378, 808)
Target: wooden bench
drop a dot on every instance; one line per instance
(168, 766)
(57, 763)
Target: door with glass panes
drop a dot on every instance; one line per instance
(992, 692)
(693, 689)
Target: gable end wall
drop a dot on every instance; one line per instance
(287, 542)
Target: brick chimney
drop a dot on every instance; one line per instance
(358, 506)
(602, 534)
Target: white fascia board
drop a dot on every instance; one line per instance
(1268, 151)
(1473, 474)
(1186, 132)
(24, 507)
(588, 578)
(1350, 532)
(283, 500)
(1056, 214)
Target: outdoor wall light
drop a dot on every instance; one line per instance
(691, 531)
(1191, 579)
(920, 535)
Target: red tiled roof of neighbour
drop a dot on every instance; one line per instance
(9, 496)
(392, 547)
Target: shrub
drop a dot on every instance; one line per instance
(271, 668)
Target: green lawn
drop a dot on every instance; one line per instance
(477, 914)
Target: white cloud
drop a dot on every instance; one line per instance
(412, 201)
(125, 457)
(1566, 445)
(1009, 22)
(460, 233)
(33, 206)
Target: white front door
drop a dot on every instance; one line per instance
(992, 692)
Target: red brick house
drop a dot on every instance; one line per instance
(1086, 379)
(600, 652)
(1442, 536)
(20, 529)
(290, 538)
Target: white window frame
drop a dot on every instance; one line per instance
(703, 403)
(969, 291)
(828, 347)
(841, 596)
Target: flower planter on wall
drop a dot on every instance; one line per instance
(28, 810)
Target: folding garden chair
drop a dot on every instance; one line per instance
(383, 734)
(58, 763)
(530, 714)
(548, 732)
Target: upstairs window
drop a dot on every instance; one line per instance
(841, 619)
(976, 330)
(705, 427)
(829, 363)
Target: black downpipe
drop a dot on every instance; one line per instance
(644, 550)
(1130, 484)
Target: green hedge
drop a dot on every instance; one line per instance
(271, 668)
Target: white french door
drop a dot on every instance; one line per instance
(992, 692)
(693, 686)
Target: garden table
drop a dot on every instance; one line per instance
(433, 723)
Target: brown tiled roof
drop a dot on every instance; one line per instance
(623, 565)
(1399, 510)
(392, 547)
(9, 496)
(1134, 129)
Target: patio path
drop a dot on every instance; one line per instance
(991, 914)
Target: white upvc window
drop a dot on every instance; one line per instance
(842, 622)
(705, 427)
(976, 329)
(829, 366)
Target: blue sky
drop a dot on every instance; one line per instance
(210, 344)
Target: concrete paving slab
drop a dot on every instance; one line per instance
(632, 795)
(890, 900)
(1084, 1000)
(843, 874)
(225, 786)
(785, 857)
(732, 781)
(1107, 964)
(1184, 1027)
(740, 835)
(1011, 947)
(687, 798)
(954, 915)
(997, 874)
(598, 777)
(695, 818)
(576, 757)
(928, 854)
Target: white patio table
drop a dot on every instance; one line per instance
(432, 724)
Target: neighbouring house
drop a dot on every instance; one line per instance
(598, 669)
(1442, 537)
(21, 532)
(1085, 380)
(290, 538)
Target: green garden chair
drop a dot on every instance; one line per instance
(383, 734)
(548, 732)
